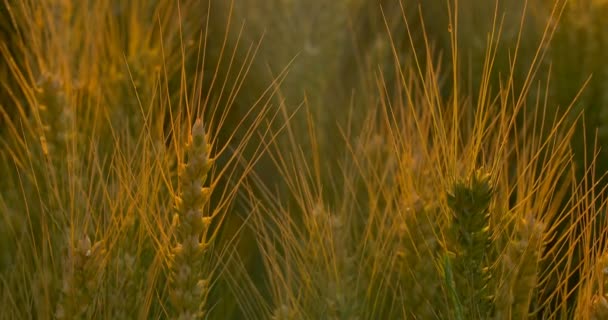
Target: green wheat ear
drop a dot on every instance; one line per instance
(451, 288)
(469, 202)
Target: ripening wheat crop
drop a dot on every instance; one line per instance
(275, 159)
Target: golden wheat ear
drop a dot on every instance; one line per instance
(189, 285)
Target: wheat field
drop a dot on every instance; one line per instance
(303, 159)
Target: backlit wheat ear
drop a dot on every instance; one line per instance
(189, 284)
(599, 300)
(81, 279)
(417, 249)
(56, 115)
(284, 312)
(599, 307)
(127, 295)
(341, 297)
(519, 268)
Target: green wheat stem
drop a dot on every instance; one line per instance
(451, 286)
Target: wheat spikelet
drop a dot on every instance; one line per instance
(188, 283)
(80, 280)
(519, 267)
(469, 201)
